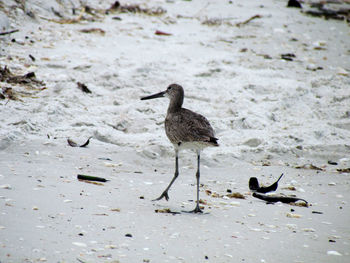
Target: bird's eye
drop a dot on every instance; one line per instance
(169, 88)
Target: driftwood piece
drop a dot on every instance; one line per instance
(91, 178)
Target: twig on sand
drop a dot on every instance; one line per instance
(221, 21)
(91, 178)
(8, 32)
(248, 20)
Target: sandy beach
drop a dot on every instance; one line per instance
(273, 82)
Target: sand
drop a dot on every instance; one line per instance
(271, 116)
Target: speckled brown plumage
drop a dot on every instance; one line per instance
(184, 125)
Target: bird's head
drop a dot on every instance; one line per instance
(172, 92)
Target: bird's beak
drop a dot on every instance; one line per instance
(157, 95)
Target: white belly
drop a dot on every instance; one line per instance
(191, 145)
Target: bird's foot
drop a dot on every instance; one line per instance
(196, 210)
(164, 194)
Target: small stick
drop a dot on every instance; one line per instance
(91, 178)
(8, 32)
(248, 20)
(81, 261)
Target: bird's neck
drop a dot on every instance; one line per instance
(175, 105)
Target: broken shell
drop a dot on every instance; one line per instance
(236, 195)
(290, 215)
(309, 230)
(107, 164)
(5, 186)
(79, 244)
(333, 253)
(320, 45)
(342, 71)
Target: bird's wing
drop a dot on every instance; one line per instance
(186, 126)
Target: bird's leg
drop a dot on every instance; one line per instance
(165, 193)
(197, 209)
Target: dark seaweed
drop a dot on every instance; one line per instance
(74, 144)
(274, 199)
(254, 185)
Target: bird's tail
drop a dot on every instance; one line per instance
(214, 141)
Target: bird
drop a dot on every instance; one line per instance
(186, 130)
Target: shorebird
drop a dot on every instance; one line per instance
(186, 130)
